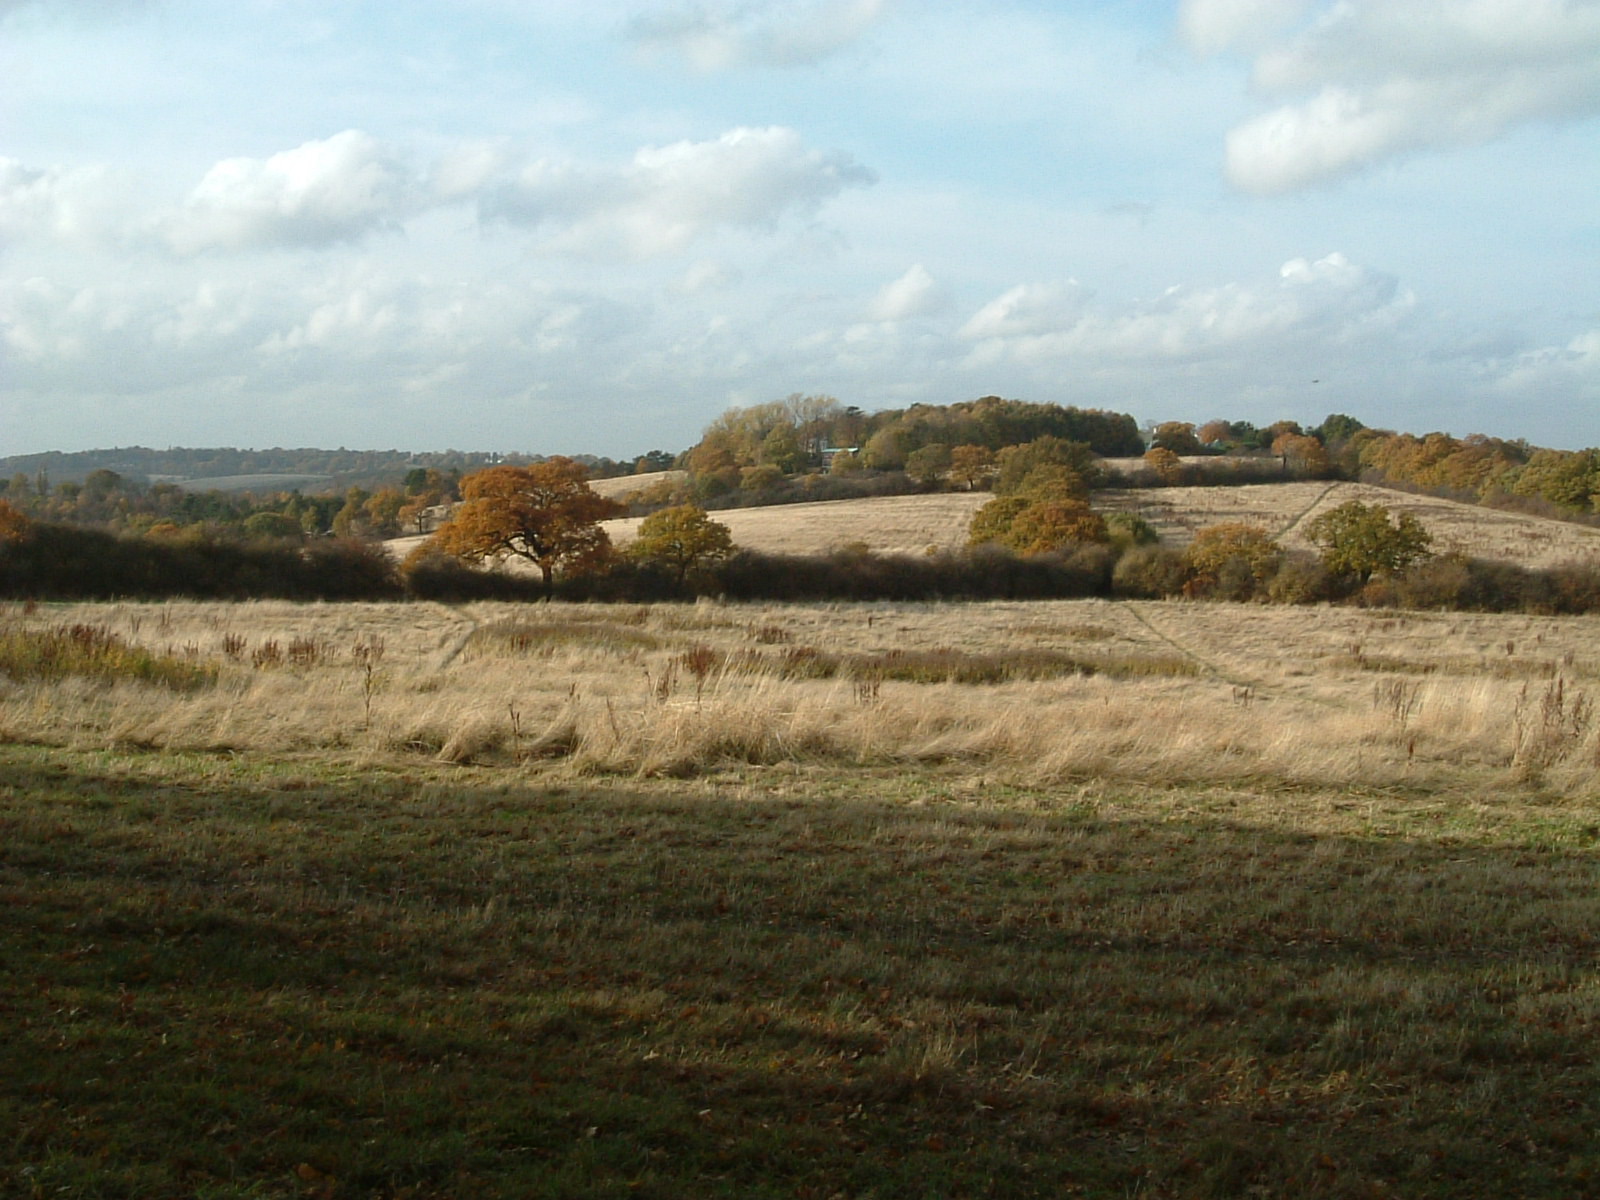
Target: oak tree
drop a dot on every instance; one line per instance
(545, 513)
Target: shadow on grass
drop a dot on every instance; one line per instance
(227, 981)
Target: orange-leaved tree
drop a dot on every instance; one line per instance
(545, 513)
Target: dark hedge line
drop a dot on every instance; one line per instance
(65, 562)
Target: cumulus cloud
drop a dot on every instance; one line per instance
(336, 190)
(914, 294)
(667, 197)
(764, 33)
(1367, 80)
(1326, 302)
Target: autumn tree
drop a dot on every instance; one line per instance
(973, 465)
(1232, 559)
(1015, 463)
(681, 538)
(1048, 512)
(14, 524)
(1166, 465)
(1302, 453)
(545, 513)
(1361, 540)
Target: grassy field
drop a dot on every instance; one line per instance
(1051, 899)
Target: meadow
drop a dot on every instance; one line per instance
(1069, 898)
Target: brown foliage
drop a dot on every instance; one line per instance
(545, 513)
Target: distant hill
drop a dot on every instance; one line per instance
(231, 470)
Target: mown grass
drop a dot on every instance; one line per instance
(232, 976)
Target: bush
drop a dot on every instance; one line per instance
(1300, 579)
(1150, 573)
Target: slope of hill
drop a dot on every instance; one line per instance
(911, 524)
(1284, 510)
(884, 524)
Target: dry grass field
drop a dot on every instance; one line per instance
(1158, 692)
(621, 486)
(914, 524)
(911, 524)
(1285, 509)
(885, 524)
(1011, 900)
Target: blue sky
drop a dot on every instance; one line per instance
(564, 227)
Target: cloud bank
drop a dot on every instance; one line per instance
(669, 196)
(1365, 81)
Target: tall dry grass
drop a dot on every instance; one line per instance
(1169, 692)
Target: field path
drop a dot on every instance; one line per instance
(1305, 512)
(455, 648)
(1210, 668)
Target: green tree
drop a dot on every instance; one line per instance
(1177, 436)
(1361, 540)
(545, 513)
(681, 538)
(1048, 512)
(272, 525)
(929, 464)
(781, 448)
(1015, 463)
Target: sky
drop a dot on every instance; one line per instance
(590, 226)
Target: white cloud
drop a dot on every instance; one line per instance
(914, 294)
(1214, 25)
(62, 203)
(1371, 79)
(1329, 301)
(667, 197)
(1028, 310)
(764, 33)
(1572, 369)
(336, 190)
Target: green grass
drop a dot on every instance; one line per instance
(230, 977)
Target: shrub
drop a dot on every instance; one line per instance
(1232, 560)
(1150, 573)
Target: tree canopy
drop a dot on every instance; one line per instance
(545, 513)
(681, 538)
(1360, 539)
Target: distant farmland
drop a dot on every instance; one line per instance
(913, 524)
